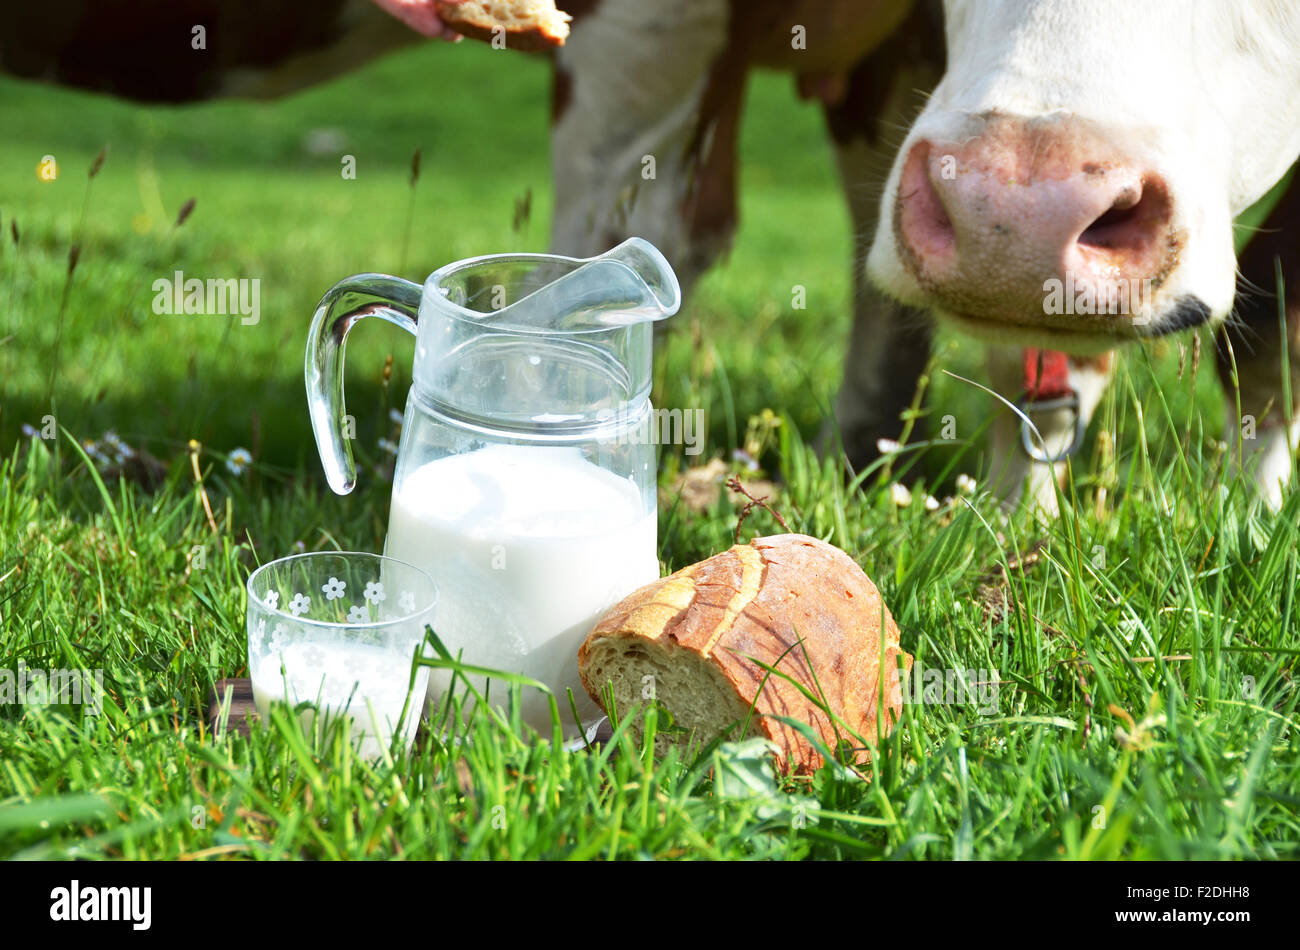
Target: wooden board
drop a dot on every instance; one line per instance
(243, 711)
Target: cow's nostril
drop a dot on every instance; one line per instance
(1133, 221)
(1110, 229)
(923, 222)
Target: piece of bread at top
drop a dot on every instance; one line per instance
(526, 24)
(686, 639)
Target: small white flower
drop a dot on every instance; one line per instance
(931, 503)
(375, 592)
(901, 496)
(238, 460)
(299, 603)
(887, 446)
(334, 589)
(259, 634)
(965, 484)
(407, 601)
(395, 416)
(272, 599)
(357, 614)
(277, 637)
(388, 446)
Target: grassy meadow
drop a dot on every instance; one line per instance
(1145, 643)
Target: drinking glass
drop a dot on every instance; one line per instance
(339, 630)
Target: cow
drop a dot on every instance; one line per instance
(1076, 147)
(1109, 146)
(1064, 141)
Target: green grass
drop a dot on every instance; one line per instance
(1169, 600)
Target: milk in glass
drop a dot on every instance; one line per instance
(329, 675)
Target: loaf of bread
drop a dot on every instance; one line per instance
(690, 640)
(527, 24)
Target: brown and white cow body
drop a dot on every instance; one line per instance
(647, 105)
(667, 81)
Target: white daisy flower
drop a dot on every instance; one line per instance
(299, 603)
(333, 590)
(272, 599)
(238, 460)
(357, 614)
(375, 592)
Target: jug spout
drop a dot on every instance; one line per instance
(628, 284)
(662, 295)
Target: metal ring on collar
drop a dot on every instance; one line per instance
(1027, 436)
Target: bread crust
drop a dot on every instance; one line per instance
(754, 602)
(469, 20)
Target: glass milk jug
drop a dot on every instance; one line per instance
(525, 480)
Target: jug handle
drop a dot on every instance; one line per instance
(348, 301)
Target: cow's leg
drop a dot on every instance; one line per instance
(1258, 436)
(645, 111)
(1012, 474)
(890, 343)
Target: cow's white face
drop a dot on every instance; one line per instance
(1104, 145)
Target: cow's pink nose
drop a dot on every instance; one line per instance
(986, 223)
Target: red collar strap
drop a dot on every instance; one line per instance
(1047, 375)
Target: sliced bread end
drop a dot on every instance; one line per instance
(704, 705)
